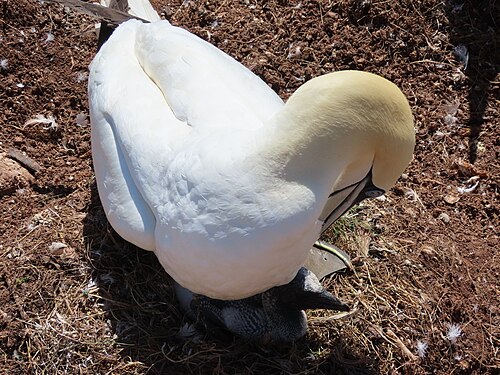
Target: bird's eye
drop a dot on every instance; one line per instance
(374, 193)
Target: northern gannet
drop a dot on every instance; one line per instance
(198, 160)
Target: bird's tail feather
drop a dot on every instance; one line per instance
(112, 16)
(113, 12)
(138, 8)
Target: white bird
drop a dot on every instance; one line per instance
(198, 160)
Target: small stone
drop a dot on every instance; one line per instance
(12, 176)
(60, 249)
(451, 198)
(445, 218)
(439, 135)
(427, 249)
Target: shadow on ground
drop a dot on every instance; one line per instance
(144, 316)
(474, 35)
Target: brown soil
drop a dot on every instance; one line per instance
(75, 298)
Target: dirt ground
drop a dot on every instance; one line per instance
(75, 298)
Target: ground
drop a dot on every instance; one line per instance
(76, 298)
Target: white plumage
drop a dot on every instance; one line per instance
(198, 160)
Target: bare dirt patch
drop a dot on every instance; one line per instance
(75, 298)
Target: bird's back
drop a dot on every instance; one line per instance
(173, 121)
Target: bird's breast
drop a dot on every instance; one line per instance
(231, 236)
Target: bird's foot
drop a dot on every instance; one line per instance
(325, 258)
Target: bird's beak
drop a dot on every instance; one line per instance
(340, 201)
(321, 300)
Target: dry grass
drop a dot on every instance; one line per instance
(114, 311)
(101, 306)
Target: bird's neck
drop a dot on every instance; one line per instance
(307, 147)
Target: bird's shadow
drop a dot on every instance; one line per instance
(474, 35)
(148, 326)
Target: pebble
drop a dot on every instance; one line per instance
(444, 217)
(427, 249)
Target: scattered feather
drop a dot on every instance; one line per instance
(464, 190)
(457, 7)
(454, 332)
(49, 38)
(60, 318)
(422, 347)
(90, 288)
(4, 64)
(81, 76)
(471, 185)
(450, 120)
(54, 246)
(410, 194)
(187, 330)
(439, 135)
(20, 85)
(451, 109)
(293, 51)
(462, 54)
(41, 119)
(81, 119)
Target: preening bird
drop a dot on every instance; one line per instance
(198, 160)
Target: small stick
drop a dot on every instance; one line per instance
(24, 160)
(394, 340)
(401, 345)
